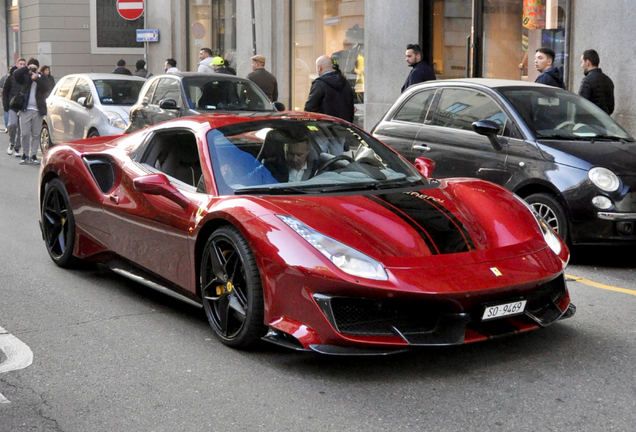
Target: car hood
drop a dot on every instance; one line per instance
(620, 157)
(468, 219)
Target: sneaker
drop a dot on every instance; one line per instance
(24, 160)
(34, 160)
(17, 153)
(10, 150)
(6, 130)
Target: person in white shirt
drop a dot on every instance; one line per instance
(205, 65)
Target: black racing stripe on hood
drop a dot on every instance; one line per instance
(427, 239)
(433, 221)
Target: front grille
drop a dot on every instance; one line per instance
(356, 316)
(550, 292)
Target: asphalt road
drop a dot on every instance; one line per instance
(111, 355)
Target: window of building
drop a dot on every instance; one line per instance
(334, 28)
(212, 24)
(112, 34)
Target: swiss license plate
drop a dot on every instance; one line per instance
(502, 310)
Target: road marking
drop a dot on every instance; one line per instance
(19, 355)
(600, 285)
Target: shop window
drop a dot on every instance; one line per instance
(110, 33)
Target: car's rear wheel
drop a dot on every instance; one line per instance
(551, 211)
(58, 224)
(45, 138)
(231, 289)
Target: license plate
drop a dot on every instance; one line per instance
(502, 310)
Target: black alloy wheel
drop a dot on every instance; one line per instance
(551, 211)
(58, 224)
(231, 289)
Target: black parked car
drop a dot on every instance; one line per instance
(561, 153)
(166, 97)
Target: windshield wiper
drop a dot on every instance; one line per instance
(268, 190)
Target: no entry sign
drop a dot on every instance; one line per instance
(130, 9)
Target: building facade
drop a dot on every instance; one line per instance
(460, 38)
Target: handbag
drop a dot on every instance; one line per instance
(17, 102)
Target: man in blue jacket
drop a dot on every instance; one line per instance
(543, 60)
(421, 70)
(36, 88)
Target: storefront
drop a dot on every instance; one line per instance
(211, 24)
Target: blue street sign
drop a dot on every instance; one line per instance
(148, 35)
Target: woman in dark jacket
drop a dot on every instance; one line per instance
(46, 73)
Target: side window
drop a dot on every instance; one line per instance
(416, 108)
(459, 108)
(82, 89)
(64, 88)
(167, 88)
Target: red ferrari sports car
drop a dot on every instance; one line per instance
(305, 231)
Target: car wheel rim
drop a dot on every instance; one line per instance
(44, 139)
(54, 223)
(548, 215)
(224, 288)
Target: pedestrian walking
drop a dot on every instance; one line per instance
(205, 63)
(46, 73)
(140, 69)
(3, 79)
(121, 68)
(596, 86)
(36, 87)
(219, 66)
(262, 78)
(11, 92)
(330, 93)
(543, 62)
(171, 66)
(421, 70)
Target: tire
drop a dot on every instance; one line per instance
(58, 224)
(93, 134)
(549, 208)
(45, 138)
(231, 289)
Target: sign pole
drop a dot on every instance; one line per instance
(146, 42)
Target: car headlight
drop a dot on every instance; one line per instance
(604, 179)
(115, 120)
(550, 237)
(342, 256)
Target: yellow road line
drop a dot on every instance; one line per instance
(600, 285)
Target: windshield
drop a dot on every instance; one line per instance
(118, 92)
(289, 156)
(209, 93)
(554, 113)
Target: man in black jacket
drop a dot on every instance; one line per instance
(330, 93)
(543, 60)
(596, 86)
(11, 89)
(421, 70)
(36, 88)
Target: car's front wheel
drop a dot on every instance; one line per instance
(58, 224)
(93, 133)
(45, 138)
(549, 208)
(231, 289)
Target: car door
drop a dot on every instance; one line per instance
(57, 108)
(153, 230)
(167, 88)
(451, 142)
(79, 116)
(401, 131)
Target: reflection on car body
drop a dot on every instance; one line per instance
(565, 156)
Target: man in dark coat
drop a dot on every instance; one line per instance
(330, 93)
(421, 70)
(596, 86)
(543, 60)
(36, 88)
(11, 89)
(121, 68)
(262, 78)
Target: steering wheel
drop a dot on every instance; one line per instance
(332, 161)
(564, 124)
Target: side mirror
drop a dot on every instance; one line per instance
(158, 184)
(84, 101)
(489, 129)
(425, 166)
(169, 104)
(279, 106)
